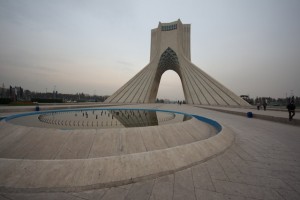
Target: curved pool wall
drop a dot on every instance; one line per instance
(211, 122)
(116, 170)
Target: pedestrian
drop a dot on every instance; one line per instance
(265, 104)
(258, 105)
(291, 108)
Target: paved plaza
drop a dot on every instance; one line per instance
(261, 162)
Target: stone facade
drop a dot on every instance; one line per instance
(170, 50)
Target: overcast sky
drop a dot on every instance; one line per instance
(250, 46)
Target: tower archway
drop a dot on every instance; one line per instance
(170, 87)
(168, 61)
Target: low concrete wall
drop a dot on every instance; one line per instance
(17, 175)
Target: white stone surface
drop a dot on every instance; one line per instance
(263, 163)
(170, 50)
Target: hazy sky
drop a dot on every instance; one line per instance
(250, 46)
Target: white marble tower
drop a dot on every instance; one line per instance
(170, 50)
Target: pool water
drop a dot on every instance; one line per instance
(99, 118)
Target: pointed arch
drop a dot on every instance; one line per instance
(168, 60)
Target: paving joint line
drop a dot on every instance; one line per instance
(88, 155)
(191, 171)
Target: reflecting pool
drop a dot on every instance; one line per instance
(98, 118)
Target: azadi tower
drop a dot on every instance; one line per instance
(171, 50)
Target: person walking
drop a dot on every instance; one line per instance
(265, 104)
(291, 108)
(258, 105)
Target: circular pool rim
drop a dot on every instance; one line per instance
(209, 121)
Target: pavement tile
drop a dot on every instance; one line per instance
(273, 166)
(115, 193)
(41, 196)
(208, 195)
(280, 174)
(49, 146)
(11, 142)
(258, 181)
(289, 194)
(236, 159)
(283, 154)
(259, 169)
(263, 159)
(215, 169)
(77, 146)
(91, 194)
(6, 129)
(294, 184)
(3, 197)
(152, 140)
(126, 187)
(202, 178)
(184, 186)
(227, 164)
(140, 190)
(163, 188)
(132, 141)
(233, 197)
(244, 190)
(295, 175)
(242, 153)
(105, 143)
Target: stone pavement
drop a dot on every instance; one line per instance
(263, 163)
(270, 114)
